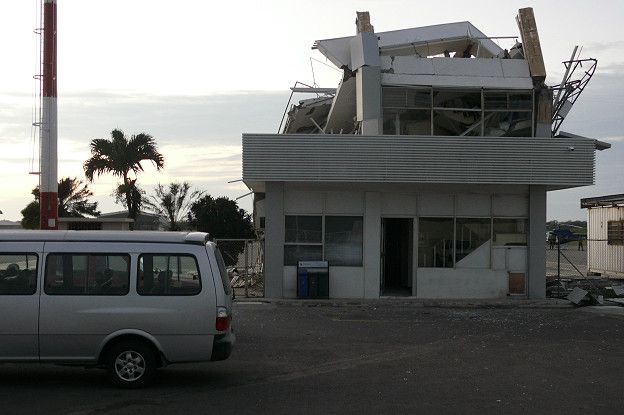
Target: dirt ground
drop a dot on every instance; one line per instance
(372, 358)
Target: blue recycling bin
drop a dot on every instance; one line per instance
(312, 279)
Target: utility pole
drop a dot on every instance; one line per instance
(48, 163)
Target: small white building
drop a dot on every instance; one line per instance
(114, 221)
(10, 224)
(605, 235)
(424, 173)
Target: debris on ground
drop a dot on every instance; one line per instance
(254, 285)
(577, 296)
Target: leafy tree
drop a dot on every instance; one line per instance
(222, 218)
(173, 202)
(120, 157)
(30, 215)
(73, 195)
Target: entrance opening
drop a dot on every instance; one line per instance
(396, 256)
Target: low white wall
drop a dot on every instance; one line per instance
(290, 282)
(461, 283)
(344, 282)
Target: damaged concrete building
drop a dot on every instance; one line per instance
(424, 173)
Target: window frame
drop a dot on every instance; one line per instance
(490, 220)
(36, 255)
(361, 263)
(321, 243)
(199, 275)
(45, 273)
(618, 230)
(419, 229)
(484, 112)
(515, 218)
(223, 275)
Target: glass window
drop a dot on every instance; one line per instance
(508, 124)
(471, 235)
(615, 232)
(449, 98)
(399, 97)
(457, 123)
(168, 274)
(87, 274)
(18, 274)
(508, 100)
(418, 98)
(344, 240)
(303, 239)
(225, 279)
(435, 242)
(393, 97)
(510, 231)
(304, 229)
(294, 253)
(407, 122)
(390, 121)
(407, 111)
(415, 122)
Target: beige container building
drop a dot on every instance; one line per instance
(605, 235)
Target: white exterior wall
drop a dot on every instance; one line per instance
(461, 283)
(602, 257)
(374, 201)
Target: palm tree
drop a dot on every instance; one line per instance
(173, 202)
(121, 156)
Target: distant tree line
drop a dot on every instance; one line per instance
(551, 225)
(182, 207)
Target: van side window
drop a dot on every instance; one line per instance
(18, 273)
(87, 274)
(225, 279)
(168, 274)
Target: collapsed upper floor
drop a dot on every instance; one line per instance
(441, 80)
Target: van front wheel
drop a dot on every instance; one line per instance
(130, 365)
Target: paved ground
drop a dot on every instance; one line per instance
(370, 358)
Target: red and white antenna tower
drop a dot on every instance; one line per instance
(48, 158)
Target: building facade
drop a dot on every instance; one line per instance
(424, 173)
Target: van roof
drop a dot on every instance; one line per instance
(197, 238)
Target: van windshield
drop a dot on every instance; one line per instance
(224, 275)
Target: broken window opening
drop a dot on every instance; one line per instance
(457, 112)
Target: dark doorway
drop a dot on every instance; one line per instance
(396, 256)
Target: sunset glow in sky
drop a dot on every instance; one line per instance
(197, 74)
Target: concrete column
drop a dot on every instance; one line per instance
(372, 244)
(274, 240)
(368, 99)
(537, 244)
(366, 63)
(543, 117)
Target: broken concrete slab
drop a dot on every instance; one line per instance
(618, 289)
(577, 295)
(597, 299)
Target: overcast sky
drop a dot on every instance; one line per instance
(197, 74)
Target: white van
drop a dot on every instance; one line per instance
(127, 301)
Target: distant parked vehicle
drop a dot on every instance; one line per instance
(130, 302)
